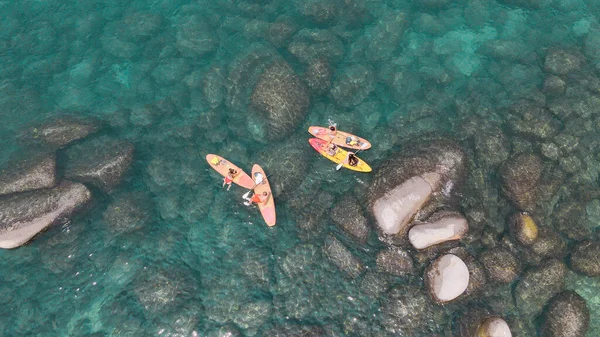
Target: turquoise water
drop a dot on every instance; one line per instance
(175, 78)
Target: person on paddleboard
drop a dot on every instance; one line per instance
(231, 174)
(260, 198)
(331, 131)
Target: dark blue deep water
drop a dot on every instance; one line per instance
(178, 79)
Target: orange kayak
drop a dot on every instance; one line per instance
(222, 166)
(267, 209)
(341, 138)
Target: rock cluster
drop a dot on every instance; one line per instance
(35, 196)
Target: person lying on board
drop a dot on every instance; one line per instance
(260, 198)
(229, 178)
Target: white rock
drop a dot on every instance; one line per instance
(447, 277)
(494, 327)
(396, 208)
(446, 229)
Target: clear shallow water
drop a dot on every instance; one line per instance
(199, 261)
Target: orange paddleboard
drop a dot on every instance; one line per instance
(222, 166)
(341, 138)
(267, 209)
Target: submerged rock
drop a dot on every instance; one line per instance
(405, 310)
(567, 315)
(501, 265)
(384, 38)
(34, 172)
(128, 212)
(282, 98)
(318, 76)
(447, 278)
(101, 162)
(195, 37)
(159, 290)
(311, 44)
(281, 162)
(348, 215)
(445, 228)
(353, 85)
(520, 176)
(394, 261)
(561, 62)
(60, 131)
(585, 258)
(523, 228)
(24, 215)
(538, 285)
(342, 257)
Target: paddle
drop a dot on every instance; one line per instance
(258, 181)
(337, 168)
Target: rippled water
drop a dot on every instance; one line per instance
(175, 78)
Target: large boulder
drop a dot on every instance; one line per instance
(440, 228)
(282, 98)
(538, 285)
(520, 176)
(35, 171)
(447, 278)
(405, 183)
(479, 322)
(23, 215)
(60, 131)
(101, 162)
(567, 315)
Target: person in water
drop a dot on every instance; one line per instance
(231, 174)
(260, 198)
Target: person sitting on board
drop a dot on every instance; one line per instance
(352, 159)
(332, 149)
(229, 178)
(260, 198)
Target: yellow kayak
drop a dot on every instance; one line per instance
(340, 156)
